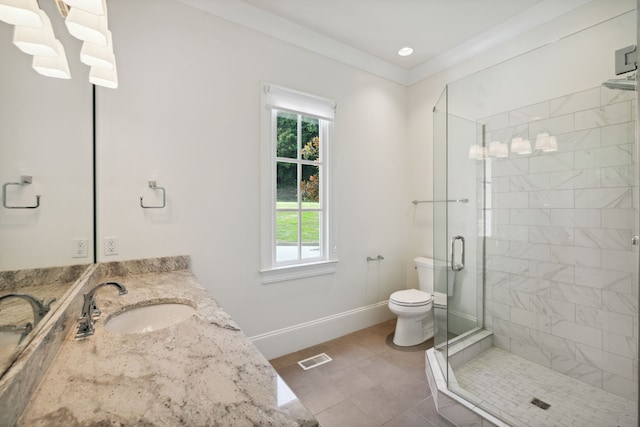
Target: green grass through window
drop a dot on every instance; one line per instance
(287, 223)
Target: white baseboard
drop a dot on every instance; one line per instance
(293, 338)
(460, 323)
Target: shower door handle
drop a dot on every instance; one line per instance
(460, 266)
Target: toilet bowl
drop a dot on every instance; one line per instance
(414, 307)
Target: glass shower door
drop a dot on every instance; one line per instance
(440, 225)
(458, 218)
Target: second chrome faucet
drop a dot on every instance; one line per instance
(90, 310)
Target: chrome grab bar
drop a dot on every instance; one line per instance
(458, 267)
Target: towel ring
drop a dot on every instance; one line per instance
(24, 180)
(153, 186)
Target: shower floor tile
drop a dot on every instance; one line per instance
(505, 384)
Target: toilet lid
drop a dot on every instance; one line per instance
(410, 297)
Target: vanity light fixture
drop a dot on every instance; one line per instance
(520, 146)
(498, 149)
(97, 7)
(56, 67)
(473, 151)
(546, 143)
(97, 56)
(87, 27)
(20, 12)
(478, 153)
(405, 51)
(86, 20)
(102, 77)
(36, 41)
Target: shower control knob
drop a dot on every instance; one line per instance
(635, 240)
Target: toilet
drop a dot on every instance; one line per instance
(414, 307)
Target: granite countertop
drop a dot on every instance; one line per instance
(203, 371)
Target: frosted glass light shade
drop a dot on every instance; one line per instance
(20, 12)
(87, 26)
(98, 56)
(474, 150)
(105, 78)
(53, 67)
(521, 146)
(553, 145)
(542, 141)
(494, 148)
(36, 41)
(97, 7)
(498, 149)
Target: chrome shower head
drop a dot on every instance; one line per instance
(628, 83)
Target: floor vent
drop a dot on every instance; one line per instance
(540, 404)
(313, 361)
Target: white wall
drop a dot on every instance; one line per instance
(45, 132)
(187, 114)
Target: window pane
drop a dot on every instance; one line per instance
(287, 134)
(286, 236)
(310, 186)
(311, 235)
(310, 147)
(287, 184)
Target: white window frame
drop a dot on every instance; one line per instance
(277, 98)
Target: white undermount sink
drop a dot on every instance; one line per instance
(149, 318)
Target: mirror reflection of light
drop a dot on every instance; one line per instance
(284, 393)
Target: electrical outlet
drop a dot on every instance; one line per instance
(110, 246)
(80, 249)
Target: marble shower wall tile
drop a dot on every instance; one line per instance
(588, 218)
(582, 295)
(609, 198)
(575, 102)
(530, 216)
(622, 133)
(552, 163)
(603, 116)
(602, 238)
(553, 126)
(614, 155)
(618, 176)
(576, 255)
(530, 182)
(560, 279)
(585, 178)
(526, 114)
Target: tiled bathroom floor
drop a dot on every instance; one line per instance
(368, 382)
(505, 380)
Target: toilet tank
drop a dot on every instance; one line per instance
(425, 267)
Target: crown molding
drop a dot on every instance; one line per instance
(259, 20)
(272, 25)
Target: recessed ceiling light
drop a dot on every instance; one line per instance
(405, 51)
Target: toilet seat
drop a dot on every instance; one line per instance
(411, 298)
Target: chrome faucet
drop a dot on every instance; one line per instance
(90, 310)
(39, 307)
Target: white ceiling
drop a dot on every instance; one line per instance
(382, 27)
(367, 34)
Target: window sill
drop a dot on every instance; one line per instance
(292, 272)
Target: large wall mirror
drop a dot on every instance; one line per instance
(46, 150)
